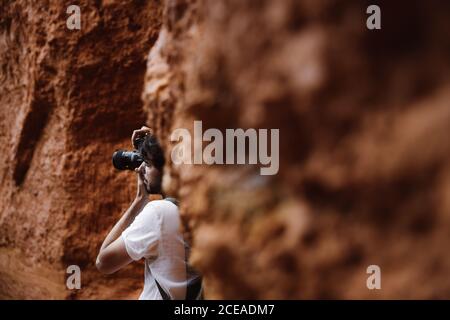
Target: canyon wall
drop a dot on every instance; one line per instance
(364, 175)
(68, 99)
(363, 118)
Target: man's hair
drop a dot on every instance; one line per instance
(151, 151)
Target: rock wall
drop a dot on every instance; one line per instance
(364, 156)
(68, 99)
(363, 118)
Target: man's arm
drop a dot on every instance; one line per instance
(113, 255)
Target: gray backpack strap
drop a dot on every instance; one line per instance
(173, 200)
(163, 293)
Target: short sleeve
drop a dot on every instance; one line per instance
(142, 236)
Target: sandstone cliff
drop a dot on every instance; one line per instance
(364, 155)
(68, 99)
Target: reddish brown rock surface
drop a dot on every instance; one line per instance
(364, 155)
(363, 117)
(68, 99)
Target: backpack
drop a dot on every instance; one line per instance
(194, 288)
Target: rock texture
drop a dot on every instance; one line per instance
(363, 116)
(68, 99)
(364, 155)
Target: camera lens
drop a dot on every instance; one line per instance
(126, 160)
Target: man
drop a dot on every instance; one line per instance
(150, 230)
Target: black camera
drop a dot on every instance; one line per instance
(128, 160)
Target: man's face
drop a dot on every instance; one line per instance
(151, 175)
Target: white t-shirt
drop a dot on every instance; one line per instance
(155, 235)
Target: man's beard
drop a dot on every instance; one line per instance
(147, 187)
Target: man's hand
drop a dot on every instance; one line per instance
(137, 134)
(141, 193)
